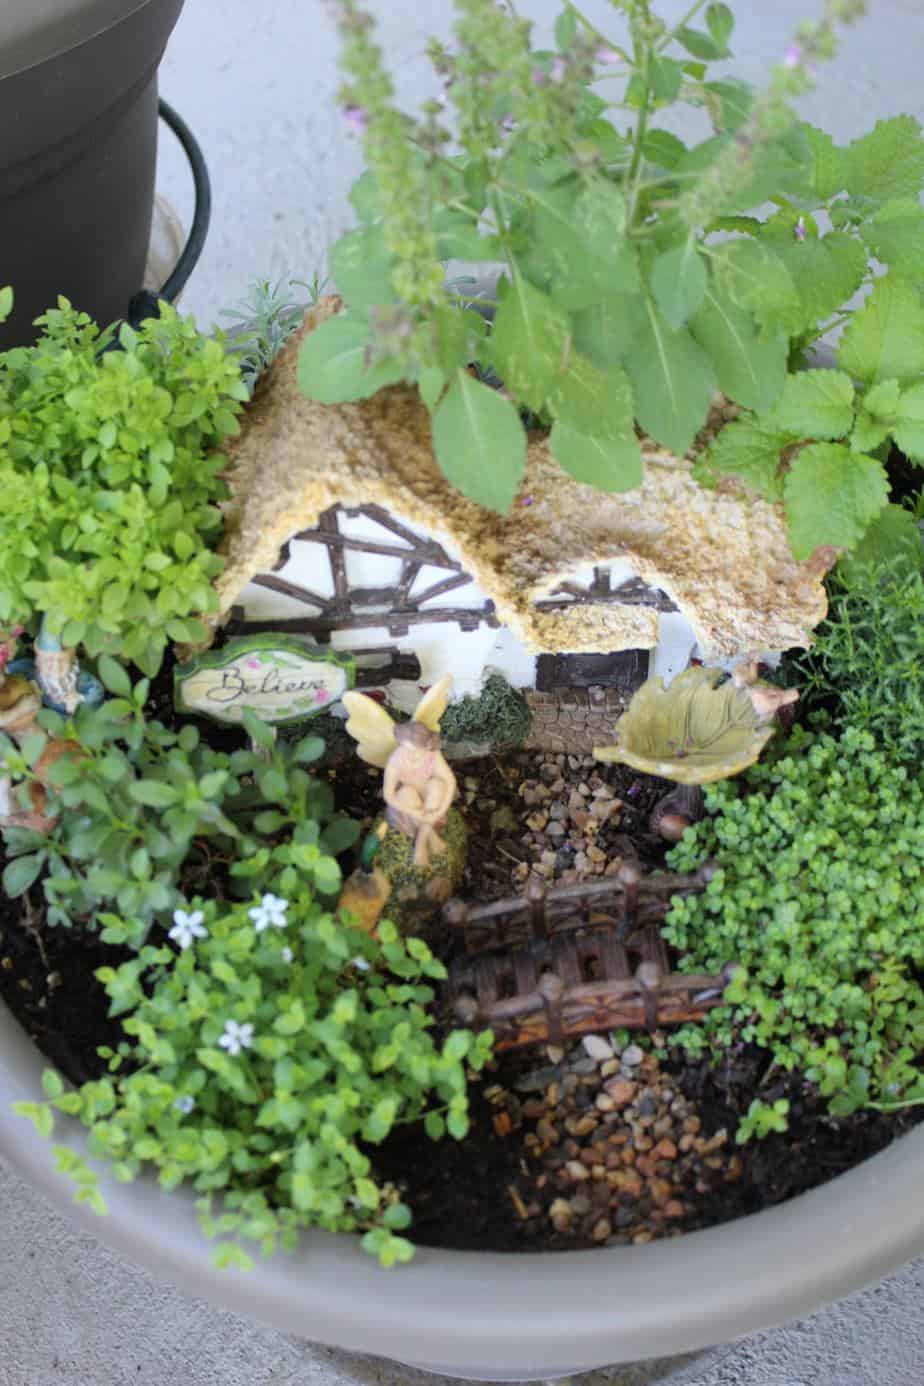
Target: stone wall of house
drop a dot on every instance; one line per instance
(574, 719)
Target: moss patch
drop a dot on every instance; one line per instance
(418, 894)
(499, 716)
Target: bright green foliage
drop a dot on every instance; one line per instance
(761, 1118)
(870, 190)
(819, 897)
(868, 656)
(109, 481)
(615, 305)
(144, 811)
(262, 1061)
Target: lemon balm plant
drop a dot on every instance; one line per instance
(110, 483)
(630, 288)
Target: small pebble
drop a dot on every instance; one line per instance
(598, 1048)
(602, 1230)
(632, 1056)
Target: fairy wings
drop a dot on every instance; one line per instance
(372, 728)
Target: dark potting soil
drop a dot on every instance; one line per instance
(488, 1192)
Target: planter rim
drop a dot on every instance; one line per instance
(515, 1314)
(35, 31)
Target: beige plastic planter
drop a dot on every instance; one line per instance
(512, 1317)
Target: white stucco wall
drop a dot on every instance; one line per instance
(442, 647)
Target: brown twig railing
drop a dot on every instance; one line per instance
(555, 964)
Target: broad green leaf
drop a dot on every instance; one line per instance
(892, 537)
(260, 732)
(673, 381)
(333, 365)
(528, 343)
(608, 330)
(458, 238)
(750, 370)
(593, 437)
(364, 197)
(580, 253)
(22, 872)
(755, 278)
(679, 281)
(751, 451)
(361, 268)
(720, 22)
(431, 383)
(309, 749)
(700, 45)
(153, 793)
(566, 27)
(826, 271)
(479, 442)
(829, 172)
(729, 104)
(882, 400)
(885, 339)
(815, 404)
(663, 148)
(832, 496)
(895, 235)
(6, 302)
(888, 162)
(868, 433)
(908, 428)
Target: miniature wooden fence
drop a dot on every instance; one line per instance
(555, 964)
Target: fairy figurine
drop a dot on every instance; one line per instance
(423, 852)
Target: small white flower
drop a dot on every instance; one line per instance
(186, 927)
(362, 963)
(184, 1105)
(236, 1037)
(270, 913)
(287, 955)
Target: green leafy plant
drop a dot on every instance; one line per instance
(264, 1060)
(867, 662)
(616, 305)
(499, 716)
(145, 813)
(761, 1118)
(819, 897)
(265, 320)
(110, 482)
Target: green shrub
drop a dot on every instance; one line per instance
(819, 897)
(499, 716)
(145, 810)
(109, 485)
(264, 1058)
(868, 656)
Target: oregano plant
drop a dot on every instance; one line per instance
(616, 307)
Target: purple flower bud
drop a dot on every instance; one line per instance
(793, 57)
(607, 56)
(357, 121)
(528, 500)
(508, 123)
(559, 68)
(799, 229)
(540, 77)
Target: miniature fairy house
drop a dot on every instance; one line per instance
(342, 529)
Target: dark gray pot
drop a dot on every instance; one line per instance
(509, 1316)
(78, 143)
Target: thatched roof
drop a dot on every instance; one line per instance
(722, 558)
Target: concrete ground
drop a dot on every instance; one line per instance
(257, 83)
